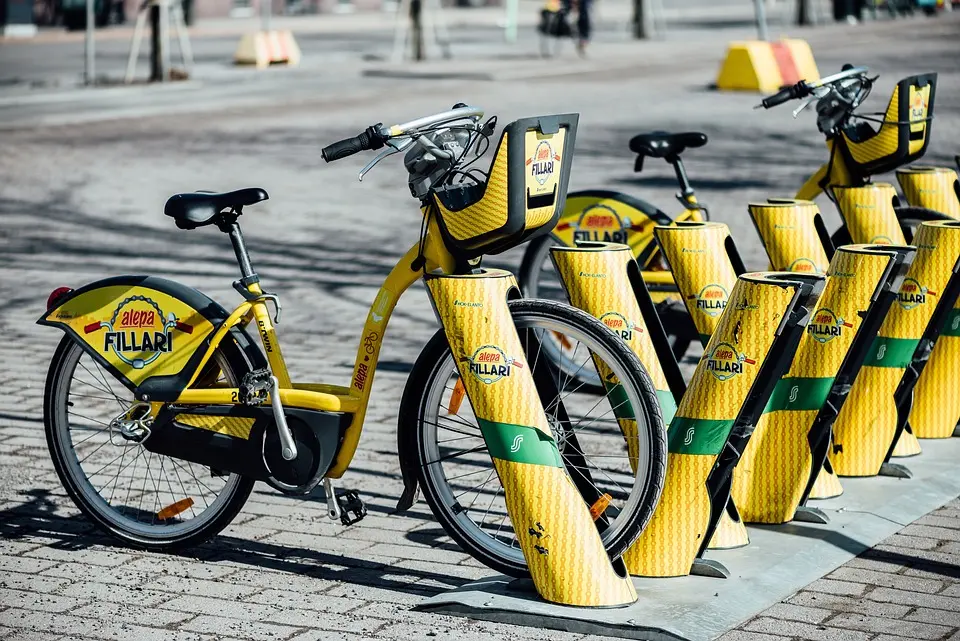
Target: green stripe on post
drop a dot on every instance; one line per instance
(891, 352)
(697, 435)
(799, 394)
(619, 401)
(520, 444)
(952, 326)
(668, 406)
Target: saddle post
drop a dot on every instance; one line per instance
(228, 224)
(686, 195)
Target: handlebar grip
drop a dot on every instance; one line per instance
(368, 140)
(342, 149)
(784, 95)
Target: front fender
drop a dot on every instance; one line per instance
(150, 333)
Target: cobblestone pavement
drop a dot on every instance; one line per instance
(82, 202)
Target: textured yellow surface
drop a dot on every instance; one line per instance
(789, 235)
(236, 427)
(826, 486)
(864, 430)
(490, 213)
(545, 507)
(701, 268)
(931, 187)
(770, 479)
(729, 534)
(936, 398)
(671, 541)
(868, 213)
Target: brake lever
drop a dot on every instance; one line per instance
(393, 149)
(807, 103)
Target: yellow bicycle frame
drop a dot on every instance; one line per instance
(319, 396)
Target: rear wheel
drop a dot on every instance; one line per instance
(457, 474)
(144, 499)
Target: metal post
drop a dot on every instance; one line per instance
(643, 26)
(265, 9)
(761, 13)
(164, 39)
(90, 71)
(513, 10)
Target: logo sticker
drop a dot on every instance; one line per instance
(826, 326)
(804, 265)
(601, 223)
(620, 325)
(918, 107)
(711, 300)
(516, 444)
(912, 294)
(489, 364)
(725, 362)
(139, 332)
(542, 164)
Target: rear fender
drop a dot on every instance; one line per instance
(150, 333)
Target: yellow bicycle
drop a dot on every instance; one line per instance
(857, 150)
(161, 412)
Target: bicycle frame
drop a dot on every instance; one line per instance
(353, 399)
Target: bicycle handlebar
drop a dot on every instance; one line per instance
(786, 94)
(367, 141)
(377, 135)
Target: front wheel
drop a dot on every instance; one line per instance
(457, 474)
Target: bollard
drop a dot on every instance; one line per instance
(873, 418)
(868, 212)
(749, 351)
(705, 263)
(537, 489)
(790, 442)
(936, 188)
(795, 239)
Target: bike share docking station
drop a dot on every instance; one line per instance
(778, 561)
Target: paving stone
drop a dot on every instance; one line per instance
(202, 587)
(35, 601)
(32, 635)
(805, 630)
(280, 580)
(24, 564)
(745, 635)
(310, 601)
(909, 629)
(95, 591)
(947, 618)
(65, 624)
(90, 557)
(920, 599)
(129, 576)
(31, 582)
(859, 575)
(859, 605)
(180, 567)
(831, 586)
(930, 532)
(911, 542)
(793, 612)
(133, 612)
(15, 547)
(252, 630)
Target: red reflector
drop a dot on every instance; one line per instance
(56, 294)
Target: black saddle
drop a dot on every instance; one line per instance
(198, 209)
(661, 144)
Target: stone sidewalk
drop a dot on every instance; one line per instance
(83, 200)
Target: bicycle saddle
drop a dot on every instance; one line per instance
(198, 209)
(661, 144)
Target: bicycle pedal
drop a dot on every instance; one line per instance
(352, 508)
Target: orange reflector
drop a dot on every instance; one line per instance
(600, 506)
(174, 509)
(564, 341)
(456, 398)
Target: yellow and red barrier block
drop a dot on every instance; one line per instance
(264, 48)
(757, 65)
